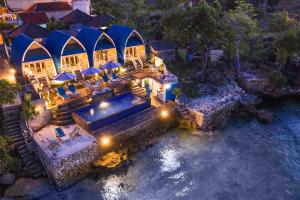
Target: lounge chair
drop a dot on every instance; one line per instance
(97, 84)
(62, 93)
(75, 133)
(114, 76)
(88, 86)
(73, 90)
(53, 145)
(59, 133)
(105, 78)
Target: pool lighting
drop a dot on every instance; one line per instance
(104, 104)
(105, 141)
(164, 114)
(92, 112)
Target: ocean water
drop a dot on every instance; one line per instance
(245, 160)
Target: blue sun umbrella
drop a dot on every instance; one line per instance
(65, 76)
(90, 71)
(111, 65)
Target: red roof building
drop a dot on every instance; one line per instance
(50, 7)
(38, 18)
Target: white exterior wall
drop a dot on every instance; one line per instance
(58, 14)
(83, 5)
(25, 4)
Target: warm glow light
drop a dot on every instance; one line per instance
(104, 104)
(164, 113)
(11, 78)
(96, 75)
(30, 73)
(123, 70)
(137, 81)
(105, 141)
(26, 70)
(12, 71)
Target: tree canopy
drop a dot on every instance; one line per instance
(8, 92)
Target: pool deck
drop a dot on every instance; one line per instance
(67, 147)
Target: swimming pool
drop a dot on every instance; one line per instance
(97, 115)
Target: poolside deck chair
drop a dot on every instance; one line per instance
(88, 86)
(114, 76)
(53, 145)
(62, 93)
(75, 133)
(59, 133)
(73, 90)
(105, 78)
(97, 84)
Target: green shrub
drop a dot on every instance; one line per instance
(277, 79)
(7, 162)
(190, 90)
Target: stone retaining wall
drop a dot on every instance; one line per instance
(66, 171)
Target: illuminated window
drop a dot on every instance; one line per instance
(38, 68)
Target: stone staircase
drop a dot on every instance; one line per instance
(14, 131)
(187, 118)
(139, 91)
(62, 115)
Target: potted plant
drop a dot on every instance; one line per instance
(176, 92)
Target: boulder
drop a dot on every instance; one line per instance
(7, 179)
(27, 188)
(248, 102)
(254, 83)
(265, 116)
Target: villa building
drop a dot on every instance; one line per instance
(31, 59)
(52, 9)
(57, 8)
(38, 18)
(129, 43)
(68, 53)
(100, 47)
(31, 30)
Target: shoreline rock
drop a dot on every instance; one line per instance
(27, 188)
(7, 179)
(265, 116)
(212, 110)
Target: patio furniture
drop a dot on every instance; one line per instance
(90, 71)
(97, 84)
(62, 93)
(73, 90)
(65, 76)
(114, 76)
(88, 86)
(53, 145)
(105, 78)
(75, 133)
(106, 89)
(111, 65)
(59, 133)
